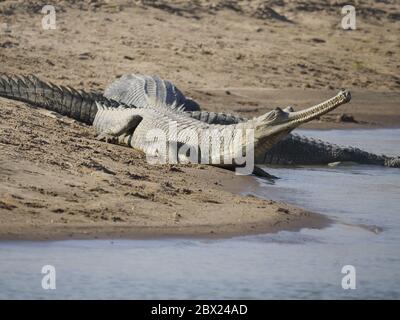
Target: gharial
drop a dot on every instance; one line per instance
(161, 102)
(294, 149)
(131, 125)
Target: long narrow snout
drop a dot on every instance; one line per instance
(297, 118)
(270, 135)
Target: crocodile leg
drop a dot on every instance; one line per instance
(110, 124)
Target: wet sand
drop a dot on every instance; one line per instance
(57, 181)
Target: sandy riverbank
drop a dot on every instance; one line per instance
(57, 181)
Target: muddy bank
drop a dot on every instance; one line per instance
(57, 181)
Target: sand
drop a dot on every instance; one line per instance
(57, 181)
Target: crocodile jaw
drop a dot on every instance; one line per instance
(278, 123)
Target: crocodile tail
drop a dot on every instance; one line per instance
(300, 150)
(393, 162)
(67, 101)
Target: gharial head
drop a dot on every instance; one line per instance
(277, 123)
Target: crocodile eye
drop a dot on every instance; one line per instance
(271, 115)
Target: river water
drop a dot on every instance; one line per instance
(364, 202)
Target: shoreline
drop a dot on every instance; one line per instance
(85, 189)
(220, 213)
(56, 178)
(125, 232)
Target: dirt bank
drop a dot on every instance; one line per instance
(57, 181)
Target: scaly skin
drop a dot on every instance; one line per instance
(268, 128)
(79, 105)
(297, 149)
(131, 125)
(141, 90)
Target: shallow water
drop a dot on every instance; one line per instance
(364, 200)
